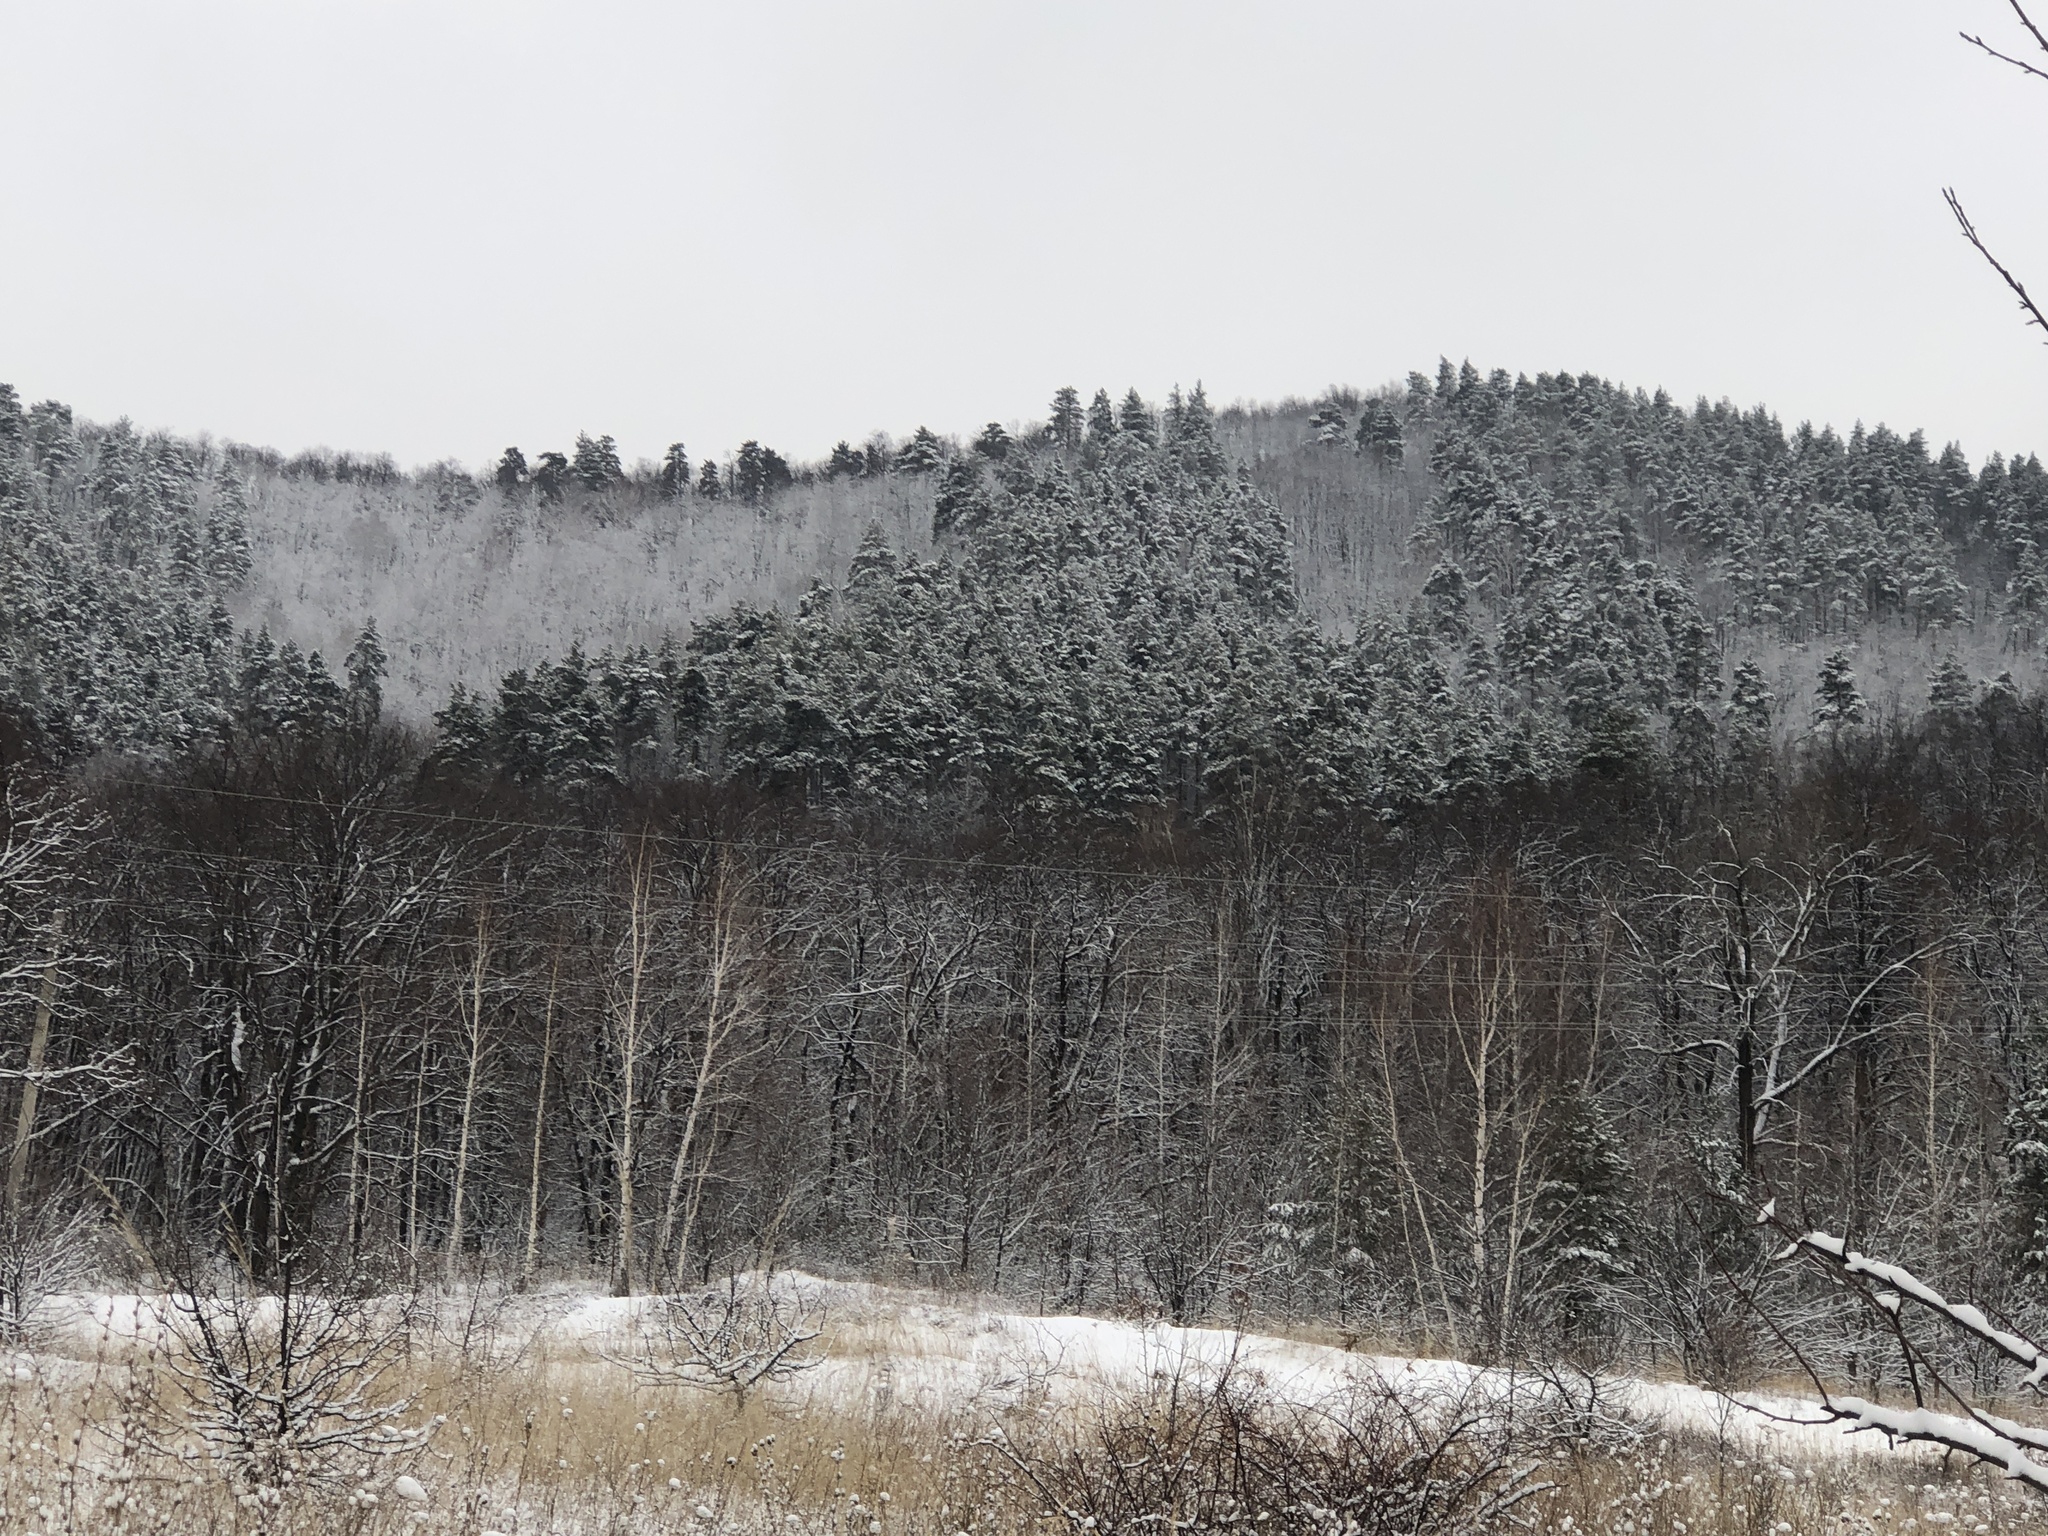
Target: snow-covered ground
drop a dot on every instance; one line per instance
(926, 1350)
(937, 1350)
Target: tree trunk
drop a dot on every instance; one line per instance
(31, 1088)
(540, 1111)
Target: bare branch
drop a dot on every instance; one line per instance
(2028, 22)
(2006, 58)
(733, 1342)
(2033, 310)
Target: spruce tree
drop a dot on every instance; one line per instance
(1067, 421)
(922, 454)
(1134, 416)
(1748, 712)
(1692, 740)
(1101, 418)
(461, 733)
(1584, 1209)
(709, 486)
(365, 669)
(1193, 439)
(53, 438)
(1444, 602)
(187, 564)
(758, 472)
(596, 465)
(1379, 434)
(961, 505)
(551, 476)
(227, 533)
(1328, 425)
(749, 472)
(874, 563)
(1949, 693)
(322, 704)
(993, 442)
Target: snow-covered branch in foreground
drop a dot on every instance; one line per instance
(1985, 1437)
(1902, 1282)
(1887, 1287)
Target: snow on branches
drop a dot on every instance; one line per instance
(2021, 1450)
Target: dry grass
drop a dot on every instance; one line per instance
(540, 1434)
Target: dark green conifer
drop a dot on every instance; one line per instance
(1101, 418)
(596, 466)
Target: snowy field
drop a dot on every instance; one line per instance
(531, 1424)
(936, 1353)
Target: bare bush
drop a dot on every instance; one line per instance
(291, 1390)
(729, 1340)
(1217, 1453)
(45, 1248)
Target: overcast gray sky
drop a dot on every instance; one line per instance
(437, 228)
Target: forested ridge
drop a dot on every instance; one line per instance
(1422, 859)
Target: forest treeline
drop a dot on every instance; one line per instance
(1118, 608)
(1508, 1074)
(1055, 901)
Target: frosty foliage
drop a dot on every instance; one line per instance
(1217, 1451)
(1413, 860)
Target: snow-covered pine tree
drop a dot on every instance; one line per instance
(1135, 417)
(846, 462)
(1837, 702)
(758, 472)
(510, 472)
(551, 476)
(1379, 433)
(227, 533)
(1584, 1211)
(596, 466)
(365, 668)
(674, 477)
(1101, 418)
(1328, 426)
(923, 454)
